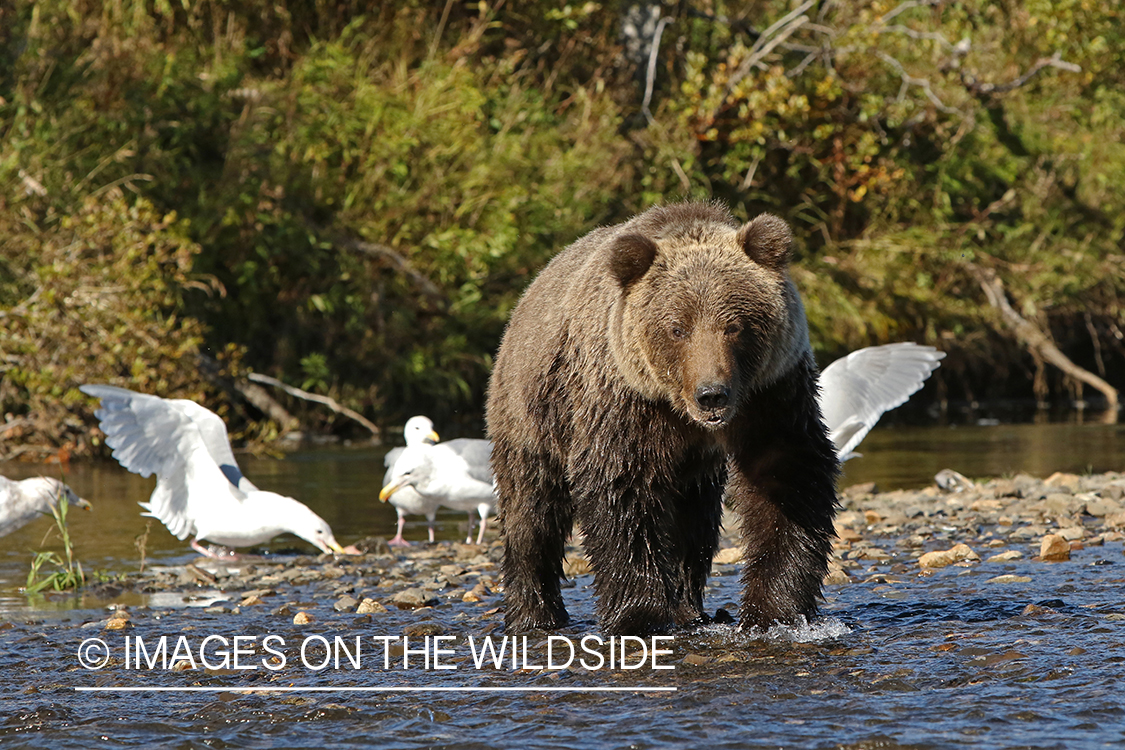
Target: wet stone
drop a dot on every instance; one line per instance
(728, 556)
(370, 606)
(302, 618)
(943, 558)
(1113, 492)
(422, 629)
(1103, 506)
(345, 604)
(1054, 548)
(411, 598)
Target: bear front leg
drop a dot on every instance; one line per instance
(626, 536)
(782, 485)
(538, 516)
(698, 518)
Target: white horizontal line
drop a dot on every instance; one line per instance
(312, 689)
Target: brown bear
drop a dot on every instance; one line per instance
(650, 366)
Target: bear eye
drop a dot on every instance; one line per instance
(733, 329)
(677, 331)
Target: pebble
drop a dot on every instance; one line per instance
(345, 604)
(411, 598)
(1005, 556)
(1009, 578)
(728, 556)
(370, 607)
(1054, 548)
(943, 558)
(302, 618)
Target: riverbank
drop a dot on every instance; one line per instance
(944, 625)
(896, 533)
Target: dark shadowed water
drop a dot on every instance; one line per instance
(946, 660)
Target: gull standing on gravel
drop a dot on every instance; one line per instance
(407, 500)
(200, 491)
(455, 474)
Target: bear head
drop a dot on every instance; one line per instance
(706, 312)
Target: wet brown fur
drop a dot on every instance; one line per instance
(604, 408)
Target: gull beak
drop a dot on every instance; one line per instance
(390, 489)
(433, 437)
(83, 504)
(335, 547)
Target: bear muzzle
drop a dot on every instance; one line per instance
(713, 404)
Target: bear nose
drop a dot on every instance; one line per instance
(712, 395)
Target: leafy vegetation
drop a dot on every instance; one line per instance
(67, 573)
(351, 199)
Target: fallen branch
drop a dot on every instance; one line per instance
(1035, 340)
(331, 403)
(400, 263)
(255, 395)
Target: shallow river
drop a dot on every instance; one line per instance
(899, 660)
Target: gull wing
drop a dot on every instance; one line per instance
(150, 435)
(857, 389)
(214, 433)
(477, 454)
(389, 462)
(211, 427)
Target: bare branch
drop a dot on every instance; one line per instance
(781, 23)
(933, 36)
(909, 4)
(650, 79)
(909, 80)
(748, 180)
(331, 403)
(787, 25)
(988, 89)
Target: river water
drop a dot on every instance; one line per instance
(900, 660)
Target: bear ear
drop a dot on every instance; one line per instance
(630, 257)
(767, 240)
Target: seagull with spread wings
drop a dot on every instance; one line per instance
(855, 390)
(200, 491)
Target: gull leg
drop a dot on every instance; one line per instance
(398, 541)
(430, 524)
(195, 545)
(483, 525)
(469, 538)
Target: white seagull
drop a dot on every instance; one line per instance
(455, 474)
(23, 501)
(855, 390)
(200, 490)
(407, 500)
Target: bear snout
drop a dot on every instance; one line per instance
(713, 404)
(712, 396)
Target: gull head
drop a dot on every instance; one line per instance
(50, 490)
(412, 469)
(419, 431)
